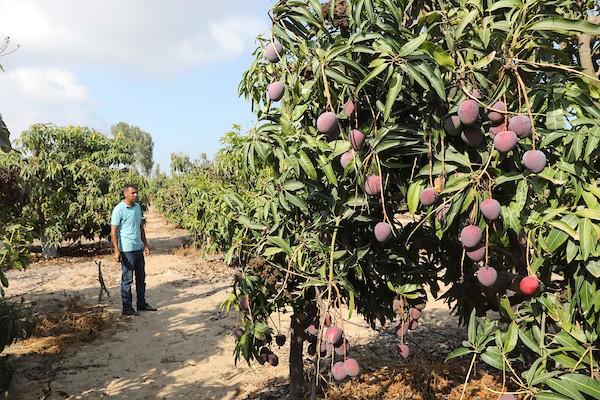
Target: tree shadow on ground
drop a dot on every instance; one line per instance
(173, 341)
(385, 375)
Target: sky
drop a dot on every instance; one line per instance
(172, 68)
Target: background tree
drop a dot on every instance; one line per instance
(16, 322)
(75, 176)
(140, 142)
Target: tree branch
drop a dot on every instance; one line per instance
(585, 52)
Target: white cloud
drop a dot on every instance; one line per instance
(32, 95)
(152, 37)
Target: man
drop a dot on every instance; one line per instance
(130, 246)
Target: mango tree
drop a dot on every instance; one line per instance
(476, 118)
(74, 175)
(16, 321)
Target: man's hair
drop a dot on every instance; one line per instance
(127, 186)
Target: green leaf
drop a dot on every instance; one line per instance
(511, 337)
(393, 91)
(593, 268)
(434, 78)
(555, 116)
(528, 340)
(565, 25)
(588, 213)
(463, 24)
(566, 388)
(415, 75)
(587, 240)
(244, 220)
(459, 352)
(547, 395)
(511, 218)
(282, 243)
(483, 62)
(413, 197)
(492, 357)
(293, 185)
(307, 165)
(439, 55)
(338, 77)
(472, 328)
(555, 239)
(521, 195)
(413, 44)
(563, 226)
(4, 136)
(297, 201)
(371, 76)
(505, 4)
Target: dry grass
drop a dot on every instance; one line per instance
(187, 251)
(420, 379)
(417, 379)
(74, 323)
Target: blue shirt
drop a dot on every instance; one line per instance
(127, 220)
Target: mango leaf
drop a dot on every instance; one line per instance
(521, 195)
(563, 226)
(393, 91)
(297, 201)
(566, 388)
(413, 44)
(511, 218)
(439, 55)
(555, 239)
(415, 75)
(483, 62)
(413, 197)
(244, 220)
(555, 116)
(328, 170)
(4, 136)
(459, 352)
(547, 395)
(372, 75)
(293, 185)
(529, 341)
(493, 357)
(434, 78)
(565, 25)
(338, 77)
(511, 337)
(466, 20)
(307, 165)
(505, 4)
(588, 213)
(587, 241)
(281, 242)
(593, 268)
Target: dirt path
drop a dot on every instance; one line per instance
(183, 351)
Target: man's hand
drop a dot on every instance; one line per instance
(146, 250)
(117, 256)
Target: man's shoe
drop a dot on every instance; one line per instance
(147, 307)
(130, 312)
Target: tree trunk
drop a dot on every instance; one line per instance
(585, 52)
(297, 383)
(49, 250)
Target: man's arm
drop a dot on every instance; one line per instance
(144, 241)
(115, 242)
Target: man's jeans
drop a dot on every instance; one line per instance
(133, 262)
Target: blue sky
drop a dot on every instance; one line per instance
(170, 67)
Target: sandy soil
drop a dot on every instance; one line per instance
(183, 351)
